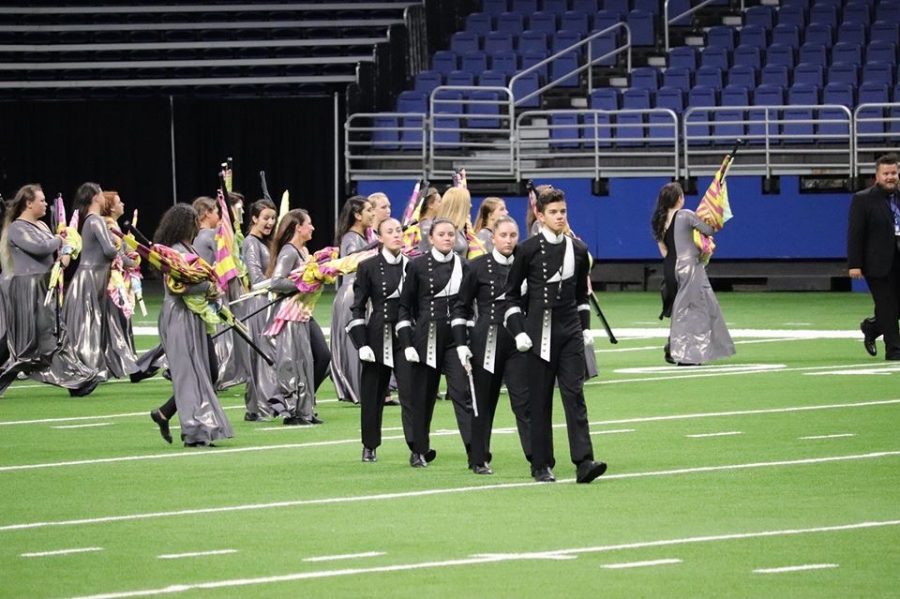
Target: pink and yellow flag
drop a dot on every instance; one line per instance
(227, 264)
(715, 209)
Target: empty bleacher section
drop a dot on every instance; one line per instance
(586, 87)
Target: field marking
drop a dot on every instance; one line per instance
(710, 367)
(886, 370)
(436, 492)
(655, 562)
(794, 568)
(694, 372)
(613, 431)
(61, 552)
(310, 444)
(722, 434)
(95, 424)
(835, 436)
(197, 554)
(329, 558)
(482, 559)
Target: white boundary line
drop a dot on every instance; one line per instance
(61, 552)
(226, 451)
(92, 425)
(613, 431)
(655, 562)
(329, 558)
(197, 554)
(839, 435)
(705, 435)
(435, 492)
(695, 373)
(794, 568)
(484, 559)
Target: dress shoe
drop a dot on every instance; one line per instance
(163, 425)
(198, 444)
(316, 420)
(544, 475)
(250, 417)
(417, 460)
(368, 455)
(85, 390)
(137, 377)
(167, 374)
(869, 337)
(482, 469)
(667, 355)
(391, 402)
(296, 421)
(429, 455)
(588, 470)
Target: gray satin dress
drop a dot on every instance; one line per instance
(36, 339)
(184, 339)
(698, 332)
(486, 236)
(345, 367)
(93, 320)
(293, 352)
(261, 384)
(232, 352)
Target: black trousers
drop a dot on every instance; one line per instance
(425, 382)
(886, 295)
(566, 366)
(320, 351)
(512, 366)
(375, 380)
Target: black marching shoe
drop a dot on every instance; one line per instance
(588, 470)
(163, 425)
(316, 420)
(482, 469)
(417, 460)
(137, 377)
(429, 455)
(667, 355)
(869, 337)
(198, 444)
(250, 417)
(296, 421)
(368, 455)
(544, 475)
(85, 390)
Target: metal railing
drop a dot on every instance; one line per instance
(597, 143)
(876, 128)
(779, 138)
(668, 22)
(588, 65)
(385, 150)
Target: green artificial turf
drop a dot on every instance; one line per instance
(723, 505)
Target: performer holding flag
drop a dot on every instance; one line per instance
(698, 332)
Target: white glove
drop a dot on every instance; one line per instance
(366, 354)
(411, 355)
(588, 338)
(465, 355)
(523, 342)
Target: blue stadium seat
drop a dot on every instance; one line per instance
(561, 66)
(498, 41)
(605, 98)
(631, 130)
(662, 130)
(878, 72)
(565, 39)
(874, 93)
(852, 32)
(840, 127)
(679, 7)
(412, 101)
(847, 52)
(505, 62)
(636, 98)
(709, 77)
(385, 136)
(792, 15)
(564, 131)
(735, 95)
(585, 6)
(474, 62)
(788, 35)
(715, 56)
(533, 42)
(493, 79)
(881, 51)
(763, 16)
(811, 53)
(700, 96)
(780, 54)
(754, 35)
(557, 7)
(824, 13)
(720, 36)
(575, 21)
(494, 7)
(819, 33)
(479, 22)
(810, 74)
(511, 22)
(775, 74)
(728, 126)
(465, 78)
(531, 59)
(525, 85)
(622, 7)
(839, 93)
(643, 28)
(888, 12)
(683, 56)
(645, 78)
(884, 31)
(857, 12)
(748, 56)
(677, 77)
(654, 7)
(426, 81)
(841, 72)
(489, 108)
(465, 41)
(800, 94)
(543, 21)
(671, 98)
(603, 19)
(765, 95)
(603, 45)
(870, 131)
(743, 76)
(444, 61)
(524, 7)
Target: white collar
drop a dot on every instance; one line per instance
(501, 259)
(552, 237)
(439, 257)
(391, 258)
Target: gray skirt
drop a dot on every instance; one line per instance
(345, 366)
(294, 371)
(698, 333)
(232, 352)
(262, 387)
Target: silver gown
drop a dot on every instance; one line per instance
(293, 352)
(261, 384)
(231, 351)
(345, 366)
(92, 319)
(698, 332)
(486, 236)
(184, 339)
(36, 337)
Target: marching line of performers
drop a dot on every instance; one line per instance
(469, 303)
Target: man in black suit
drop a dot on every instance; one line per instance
(873, 249)
(555, 328)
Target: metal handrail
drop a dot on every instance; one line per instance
(587, 65)
(885, 136)
(349, 144)
(667, 21)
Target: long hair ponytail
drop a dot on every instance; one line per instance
(668, 198)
